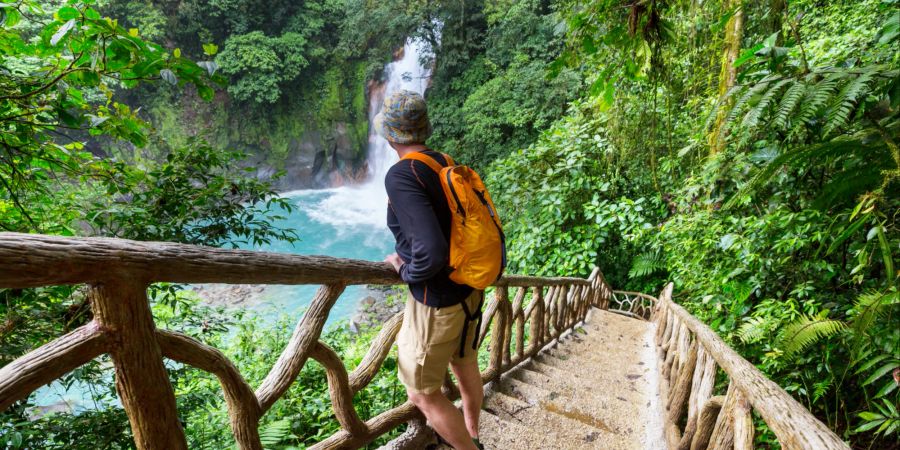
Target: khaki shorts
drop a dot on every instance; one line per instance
(429, 340)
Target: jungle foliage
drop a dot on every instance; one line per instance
(764, 182)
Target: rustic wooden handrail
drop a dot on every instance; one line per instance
(119, 272)
(39, 260)
(691, 354)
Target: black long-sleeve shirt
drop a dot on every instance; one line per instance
(419, 217)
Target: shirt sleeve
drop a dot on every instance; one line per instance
(415, 214)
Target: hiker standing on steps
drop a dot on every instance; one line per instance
(442, 316)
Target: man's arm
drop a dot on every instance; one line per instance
(417, 219)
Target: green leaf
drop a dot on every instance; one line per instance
(888, 387)
(210, 66)
(849, 231)
(205, 92)
(67, 13)
(91, 14)
(747, 55)
(13, 16)
(886, 255)
(881, 372)
(210, 49)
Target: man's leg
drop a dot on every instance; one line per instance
(472, 392)
(444, 418)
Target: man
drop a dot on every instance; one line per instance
(433, 321)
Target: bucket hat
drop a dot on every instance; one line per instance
(404, 118)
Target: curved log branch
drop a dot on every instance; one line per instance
(305, 337)
(378, 351)
(243, 407)
(50, 361)
(377, 426)
(339, 389)
(487, 317)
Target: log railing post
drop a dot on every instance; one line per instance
(723, 434)
(706, 422)
(537, 320)
(743, 425)
(498, 332)
(520, 318)
(121, 308)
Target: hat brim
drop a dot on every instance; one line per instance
(401, 136)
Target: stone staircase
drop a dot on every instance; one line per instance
(597, 388)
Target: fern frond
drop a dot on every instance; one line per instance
(806, 331)
(751, 119)
(646, 264)
(788, 104)
(738, 107)
(861, 145)
(274, 433)
(872, 305)
(755, 329)
(847, 185)
(817, 96)
(846, 101)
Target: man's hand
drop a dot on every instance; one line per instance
(394, 260)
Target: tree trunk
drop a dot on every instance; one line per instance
(776, 19)
(734, 31)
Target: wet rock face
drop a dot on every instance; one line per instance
(321, 160)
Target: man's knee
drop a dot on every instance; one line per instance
(422, 400)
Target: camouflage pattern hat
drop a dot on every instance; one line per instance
(404, 118)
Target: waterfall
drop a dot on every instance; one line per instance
(364, 205)
(408, 73)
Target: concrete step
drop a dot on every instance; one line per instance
(577, 433)
(614, 417)
(600, 391)
(496, 434)
(589, 372)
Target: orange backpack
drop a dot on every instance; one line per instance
(477, 243)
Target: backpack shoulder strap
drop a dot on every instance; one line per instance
(429, 161)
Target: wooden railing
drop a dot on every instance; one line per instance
(691, 356)
(118, 273)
